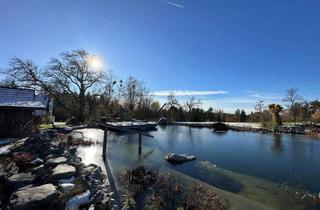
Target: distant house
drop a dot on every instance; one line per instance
(20, 109)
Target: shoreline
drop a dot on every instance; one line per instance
(44, 171)
(310, 130)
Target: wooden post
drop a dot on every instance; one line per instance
(104, 146)
(140, 142)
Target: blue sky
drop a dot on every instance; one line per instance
(227, 53)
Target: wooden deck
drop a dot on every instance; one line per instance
(129, 125)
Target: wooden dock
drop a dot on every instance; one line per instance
(129, 125)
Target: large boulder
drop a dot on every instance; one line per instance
(37, 144)
(163, 121)
(31, 198)
(63, 171)
(78, 200)
(220, 127)
(21, 179)
(56, 161)
(178, 158)
(8, 168)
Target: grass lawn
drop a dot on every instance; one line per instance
(57, 124)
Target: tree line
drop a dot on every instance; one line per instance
(296, 109)
(82, 93)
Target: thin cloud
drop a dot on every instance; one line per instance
(188, 92)
(173, 4)
(269, 96)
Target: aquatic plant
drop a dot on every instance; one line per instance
(80, 142)
(128, 202)
(207, 164)
(151, 189)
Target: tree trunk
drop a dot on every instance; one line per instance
(277, 119)
(81, 105)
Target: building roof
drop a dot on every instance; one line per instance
(19, 98)
(24, 104)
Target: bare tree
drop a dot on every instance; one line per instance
(109, 89)
(71, 74)
(259, 107)
(172, 105)
(292, 98)
(133, 91)
(172, 101)
(192, 103)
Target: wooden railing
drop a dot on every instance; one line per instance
(107, 126)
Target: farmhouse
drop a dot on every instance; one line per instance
(20, 110)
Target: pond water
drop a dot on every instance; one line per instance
(248, 164)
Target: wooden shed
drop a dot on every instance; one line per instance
(17, 111)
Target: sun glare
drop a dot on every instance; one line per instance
(95, 64)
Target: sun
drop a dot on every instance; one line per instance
(95, 64)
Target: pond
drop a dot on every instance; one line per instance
(248, 164)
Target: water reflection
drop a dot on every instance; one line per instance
(244, 160)
(92, 154)
(277, 146)
(270, 157)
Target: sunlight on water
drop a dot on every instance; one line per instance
(92, 154)
(245, 168)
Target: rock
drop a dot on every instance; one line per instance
(75, 135)
(178, 158)
(37, 168)
(36, 162)
(21, 179)
(73, 150)
(66, 187)
(97, 174)
(30, 198)
(37, 144)
(87, 170)
(220, 127)
(51, 156)
(78, 200)
(115, 207)
(162, 121)
(54, 150)
(69, 180)
(62, 145)
(8, 168)
(63, 171)
(56, 161)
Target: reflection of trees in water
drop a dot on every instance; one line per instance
(219, 133)
(131, 138)
(277, 146)
(173, 132)
(299, 147)
(190, 135)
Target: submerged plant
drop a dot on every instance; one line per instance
(151, 190)
(128, 202)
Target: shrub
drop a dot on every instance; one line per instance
(22, 159)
